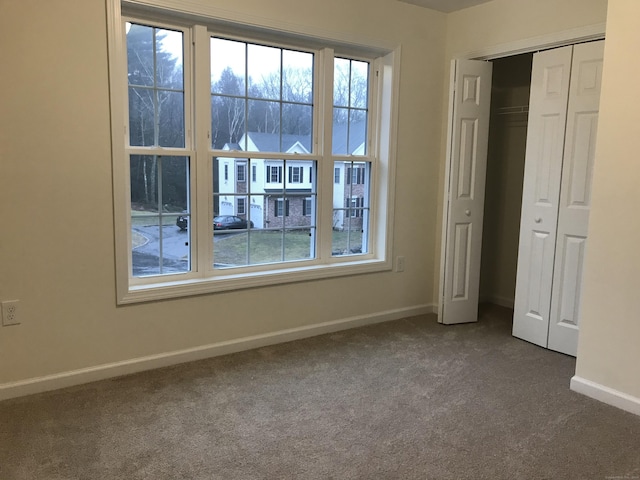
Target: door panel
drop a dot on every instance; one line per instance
(575, 198)
(551, 72)
(465, 180)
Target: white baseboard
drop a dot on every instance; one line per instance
(117, 369)
(605, 394)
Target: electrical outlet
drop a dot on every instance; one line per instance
(400, 264)
(10, 313)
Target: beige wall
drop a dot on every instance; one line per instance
(608, 351)
(56, 246)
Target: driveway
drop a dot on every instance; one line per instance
(175, 249)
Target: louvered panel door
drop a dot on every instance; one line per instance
(575, 196)
(551, 72)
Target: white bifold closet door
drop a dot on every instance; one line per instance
(563, 117)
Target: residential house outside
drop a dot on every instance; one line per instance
(276, 194)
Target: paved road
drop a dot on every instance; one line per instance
(175, 251)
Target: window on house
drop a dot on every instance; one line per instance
(282, 207)
(351, 225)
(295, 174)
(355, 175)
(241, 172)
(274, 174)
(263, 101)
(355, 205)
(241, 206)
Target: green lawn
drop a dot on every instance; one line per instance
(259, 246)
(143, 219)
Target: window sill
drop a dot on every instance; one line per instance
(184, 288)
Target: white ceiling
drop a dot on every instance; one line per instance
(445, 5)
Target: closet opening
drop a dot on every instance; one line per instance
(510, 89)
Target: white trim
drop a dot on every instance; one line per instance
(542, 42)
(606, 395)
(353, 265)
(150, 362)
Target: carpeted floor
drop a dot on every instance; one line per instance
(408, 399)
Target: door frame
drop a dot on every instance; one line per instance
(543, 42)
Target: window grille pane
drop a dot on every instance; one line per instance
(297, 68)
(341, 82)
(279, 211)
(264, 71)
(264, 121)
(141, 117)
(351, 209)
(274, 113)
(140, 57)
(359, 90)
(350, 107)
(160, 217)
(228, 67)
(227, 122)
(156, 92)
(169, 65)
(170, 119)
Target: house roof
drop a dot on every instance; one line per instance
(270, 142)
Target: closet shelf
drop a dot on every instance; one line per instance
(512, 110)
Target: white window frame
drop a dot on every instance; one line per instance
(384, 93)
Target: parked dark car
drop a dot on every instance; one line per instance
(220, 222)
(228, 222)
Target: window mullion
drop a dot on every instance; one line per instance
(200, 101)
(324, 120)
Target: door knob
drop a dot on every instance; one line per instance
(537, 219)
(467, 213)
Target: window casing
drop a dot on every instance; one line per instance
(190, 160)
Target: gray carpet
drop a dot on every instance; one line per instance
(408, 399)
